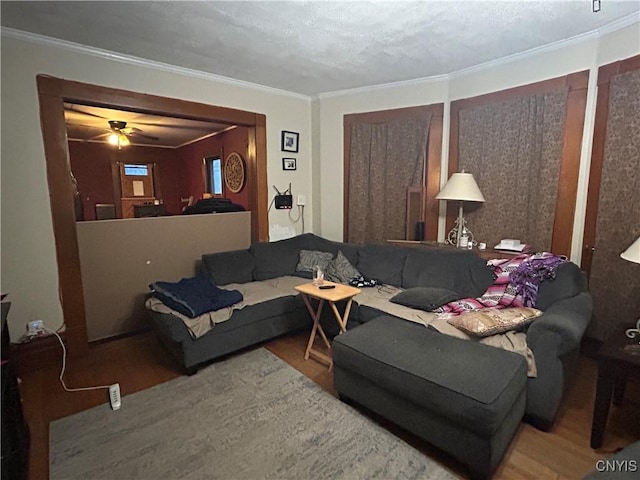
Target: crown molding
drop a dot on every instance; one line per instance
(136, 61)
(619, 24)
(551, 47)
(142, 62)
(385, 86)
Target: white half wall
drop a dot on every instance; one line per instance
(29, 268)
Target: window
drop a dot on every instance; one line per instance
(136, 170)
(214, 175)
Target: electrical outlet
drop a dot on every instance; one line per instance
(35, 327)
(302, 200)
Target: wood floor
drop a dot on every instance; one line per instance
(139, 362)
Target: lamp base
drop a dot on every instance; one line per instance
(453, 238)
(634, 332)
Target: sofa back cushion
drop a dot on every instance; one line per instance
(314, 242)
(569, 281)
(460, 271)
(382, 262)
(277, 259)
(228, 267)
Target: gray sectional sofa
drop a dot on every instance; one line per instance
(462, 396)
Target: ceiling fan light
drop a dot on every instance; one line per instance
(124, 140)
(114, 139)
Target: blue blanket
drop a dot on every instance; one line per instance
(194, 296)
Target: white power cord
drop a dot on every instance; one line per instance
(64, 364)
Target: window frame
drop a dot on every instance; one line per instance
(208, 163)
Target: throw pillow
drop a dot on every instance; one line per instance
(309, 260)
(425, 298)
(489, 321)
(340, 269)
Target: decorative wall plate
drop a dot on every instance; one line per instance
(234, 172)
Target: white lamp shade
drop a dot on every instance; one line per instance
(461, 186)
(632, 254)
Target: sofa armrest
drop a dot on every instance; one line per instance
(171, 327)
(567, 318)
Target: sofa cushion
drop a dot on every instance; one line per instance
(382, 262)
(489, 321)
(425, 298)
(277, 259)
(467, 383)
(340, 269)
(314, 242)
(350, 250)
(569, 281)
(310, 260)
(229, 267)
(460, 271)
(255, 313)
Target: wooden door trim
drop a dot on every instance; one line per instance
(577, 84)
(117, 186)
(52, 93)
(434, 153)
(155, 183)
(432, 178)
(605, 74)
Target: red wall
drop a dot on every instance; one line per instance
(91, 165)
(235, 140)
(179, 170)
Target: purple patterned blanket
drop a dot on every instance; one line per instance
(516, 283)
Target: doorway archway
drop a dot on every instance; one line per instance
(52, 93)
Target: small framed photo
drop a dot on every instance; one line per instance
(290, 142)
(288, 163)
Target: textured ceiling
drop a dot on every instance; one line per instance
(316, 47)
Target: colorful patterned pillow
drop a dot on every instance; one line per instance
(489, 321)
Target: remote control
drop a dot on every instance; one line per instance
(326, 287)
(114, 396)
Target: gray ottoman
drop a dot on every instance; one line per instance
(463, 397)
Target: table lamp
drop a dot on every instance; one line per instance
(460, 187)
(632, 254)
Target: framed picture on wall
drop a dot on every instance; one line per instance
(288, 163)
(289, 141)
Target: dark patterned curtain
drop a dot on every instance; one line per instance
(614, 282)
(385, 160)
(514, 149)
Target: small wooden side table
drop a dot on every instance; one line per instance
(618, 357)
(340, 292)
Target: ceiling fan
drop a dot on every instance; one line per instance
(123, 127)
(121, 135)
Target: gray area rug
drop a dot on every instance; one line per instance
(252, 416)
